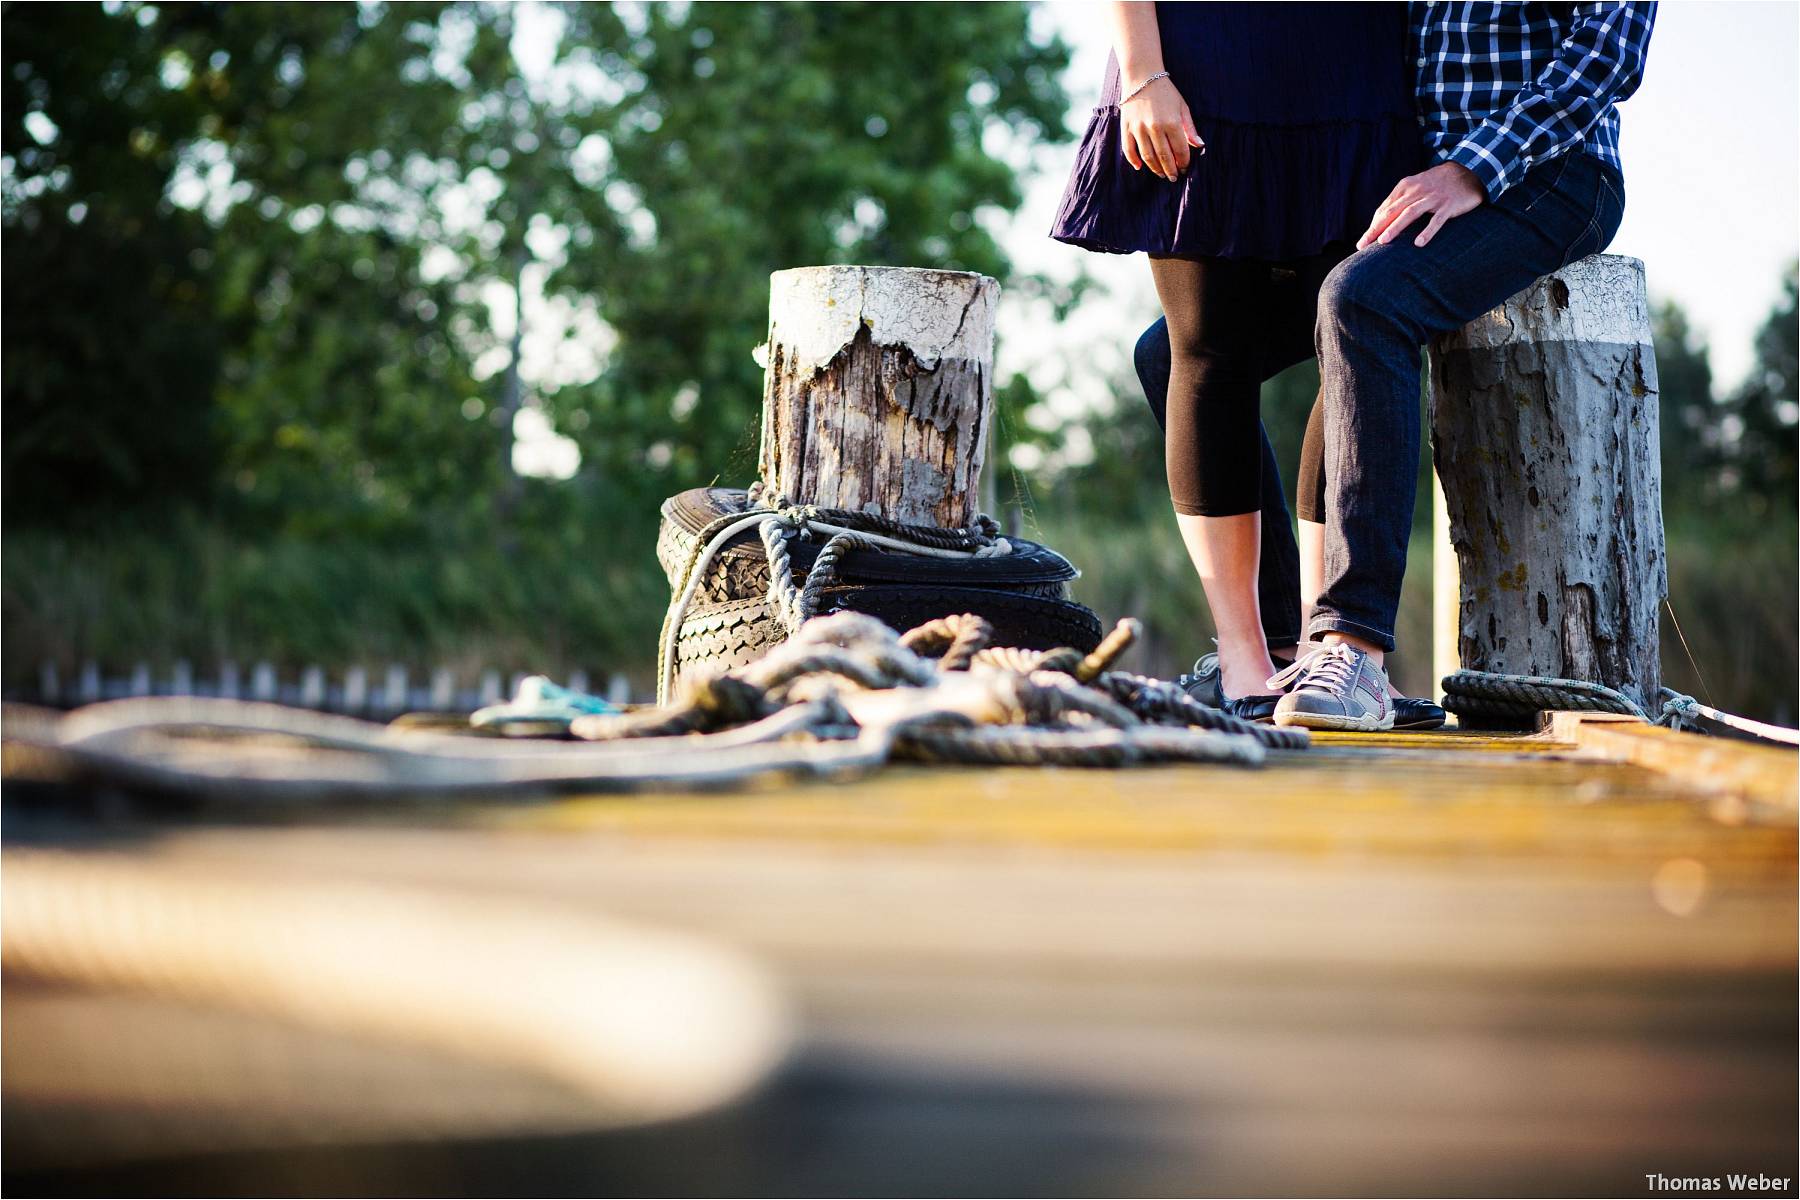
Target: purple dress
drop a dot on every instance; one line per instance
(1308, 117)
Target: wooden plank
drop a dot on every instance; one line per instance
(1763, 775)
(1454, 964)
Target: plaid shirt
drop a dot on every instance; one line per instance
(1503, 87)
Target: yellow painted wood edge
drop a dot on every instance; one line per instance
(1764, 775)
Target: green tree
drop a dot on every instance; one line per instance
(278, 281)
(252, 251)
(109, 354)
(214, 222)
(1764, 412)
(755, 137)
(1689, 411)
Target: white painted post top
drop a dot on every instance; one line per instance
(814, 312)
(1601, 298)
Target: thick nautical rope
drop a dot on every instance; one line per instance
(1007, 745)
(1161, 700)
(1153, 700)
(406, 973)
(151, 743)
(1490, 695)
(1048, 687)
(844, 696)
(957, 639)
(792, 605)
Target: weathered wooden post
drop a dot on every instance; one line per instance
(879, 390)
(1446, 594)
(1544, 419)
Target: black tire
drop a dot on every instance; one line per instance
(740, 570)
(719, 637)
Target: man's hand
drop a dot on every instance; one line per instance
(1446, 190)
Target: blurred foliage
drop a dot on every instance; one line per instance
(773, 135)
(1736, 451)
(261, 265)
(205, 290)
(204, 594)
(1760, 458)
(251, 252)
(260, 268)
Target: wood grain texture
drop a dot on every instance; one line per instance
(1404, 964)
(1545, 437)
(892, 418)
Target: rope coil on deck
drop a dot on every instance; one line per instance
(1486, 695)
(845, 696)
(1031, 687)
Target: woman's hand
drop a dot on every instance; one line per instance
(1157, 130)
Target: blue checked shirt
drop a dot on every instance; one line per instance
(1503, 87)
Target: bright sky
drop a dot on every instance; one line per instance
(1711, 144)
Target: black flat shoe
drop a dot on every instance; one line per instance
(1417, 714)
(1252, 708)
(1204, 683)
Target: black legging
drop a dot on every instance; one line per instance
(1309, 489)
(1289, 342)
(1233, 323)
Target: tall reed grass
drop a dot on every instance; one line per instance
(204, 595)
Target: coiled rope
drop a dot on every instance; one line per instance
(843, 697)
(1030, 686)
(1486, 695)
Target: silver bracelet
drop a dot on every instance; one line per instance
(1140, 87)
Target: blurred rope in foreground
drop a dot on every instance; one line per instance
(195, 1011)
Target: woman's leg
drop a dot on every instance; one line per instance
(1309, 505)
(1213, 447)
(1278, 574)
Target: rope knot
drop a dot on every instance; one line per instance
(1677, 709)
(796, 516)
(729, 700)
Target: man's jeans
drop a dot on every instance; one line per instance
(1377, 309)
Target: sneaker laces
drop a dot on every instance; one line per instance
(1331, 667)
(1202, 669)
(1206, 664)
(1303, 653)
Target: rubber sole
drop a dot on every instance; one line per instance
(1420, 726)
(1329, 721)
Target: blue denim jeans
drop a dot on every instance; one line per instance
(1377, 310)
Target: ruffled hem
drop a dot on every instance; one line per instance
(1260, 191)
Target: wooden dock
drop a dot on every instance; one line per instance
(1409, 964)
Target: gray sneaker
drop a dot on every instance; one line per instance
(1338, 687)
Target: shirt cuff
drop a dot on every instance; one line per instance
(1480, 159)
